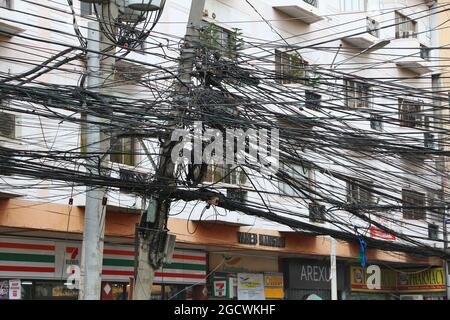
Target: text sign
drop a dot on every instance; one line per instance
(261, 239)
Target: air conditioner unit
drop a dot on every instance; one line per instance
(372, 27)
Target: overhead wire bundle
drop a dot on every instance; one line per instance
(325, 147)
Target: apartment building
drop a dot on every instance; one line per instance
(367, 63)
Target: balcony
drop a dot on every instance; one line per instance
(363, 40)
(306, 10)
(414, 56)
(8, 28)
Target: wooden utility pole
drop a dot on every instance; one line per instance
(152, 233)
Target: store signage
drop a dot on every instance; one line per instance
(4, 290)
(250, 286)
(220, 288)
(376, 232)
(311, 274)
(273, 285)
(15, 290)
(262, 239)
(431, 280)
(428, 280)
(359, 278)
(247, 238)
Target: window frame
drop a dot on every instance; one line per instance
(355, 5)
(418, 198)
(284, 67)
(355, 92)
(294, 170)
(11, 121)
(402, 26)
(407, 118)
(84, 11)
(363, 196)
(122, 152)
(6, 4)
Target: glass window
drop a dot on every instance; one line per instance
(353, 5)
(290, 68)
(405, 27)
(413, 205)
(51, 290)
(298, 177)
(359, 192)
(357, 94)
(409, 113)
(123, 150)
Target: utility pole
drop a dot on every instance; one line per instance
(333, 272)
(97, 143)
(152, 233)
(446, 249)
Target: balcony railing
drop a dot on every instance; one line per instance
(314, 3)
(5, 4)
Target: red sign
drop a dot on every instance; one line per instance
(376, 232)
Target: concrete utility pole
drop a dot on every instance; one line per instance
(333, 271)
(152, 233)
(97, 142)
(91, 253)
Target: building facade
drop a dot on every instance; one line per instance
(369, 60)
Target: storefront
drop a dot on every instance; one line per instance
(309, 278)
(245, 277)
(49, 269)
(426, 283)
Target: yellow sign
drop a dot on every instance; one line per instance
(274, 286)
(431, 280)
(358, 278)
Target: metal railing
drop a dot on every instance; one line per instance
(314, 3)
(6, 4)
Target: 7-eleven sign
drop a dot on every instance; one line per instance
(220, 288)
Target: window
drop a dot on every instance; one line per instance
(86, 9)
(353, 5)
(376, 122)
(312, 100)
(237, 195)
(290, 68)
(413, 205)
(404, 27)
(225, 174)
(7, 125)
(220, 39)
(359, 192)
(433, 232)
(409, 113)
(429, 140)
(123, 150)
(299, 178)
(6, 4)
(357, 94)
(425, 52)
(317, 212)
